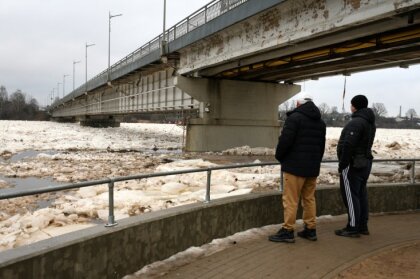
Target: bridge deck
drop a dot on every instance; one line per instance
(324, 258)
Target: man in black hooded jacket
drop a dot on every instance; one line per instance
(354, 151)
(300, 150)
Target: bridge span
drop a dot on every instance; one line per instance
(235, 61)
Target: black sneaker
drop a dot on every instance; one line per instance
(283, 235)
(347, 233)
(364, 231)
(308, 234)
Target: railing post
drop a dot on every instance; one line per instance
(413, 172)
(208, 186)
(111, 218)
(188, 24)
(205, 14)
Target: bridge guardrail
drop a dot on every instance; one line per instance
(200, 17)
(111, 182)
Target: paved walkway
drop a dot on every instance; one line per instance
(324, 258)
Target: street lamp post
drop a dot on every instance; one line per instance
(87, 45)
(74, 71)
(164, 42)
(109, 45)
(58, 89)
(164, 19)
(64, 84)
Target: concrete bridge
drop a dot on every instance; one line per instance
(235, 61)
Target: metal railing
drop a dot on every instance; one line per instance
(200, 17)
(111, 182)
(412, 161)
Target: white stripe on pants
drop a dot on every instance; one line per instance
(349, 196)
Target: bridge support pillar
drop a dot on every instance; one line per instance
(234, 113)
(101, 121)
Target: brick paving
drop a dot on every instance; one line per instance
(304, 259)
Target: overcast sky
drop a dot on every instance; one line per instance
(40, 39)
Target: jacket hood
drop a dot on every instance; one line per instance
(365, 113)
(309, 109)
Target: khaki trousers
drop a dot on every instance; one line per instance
(294, 186)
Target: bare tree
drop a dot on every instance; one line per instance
(3, 102)
(285, 107)
(3, 94)
(18, 101)
(324, 109)
(411, 113)
(334, 111)
(379, 109)
(19, 106)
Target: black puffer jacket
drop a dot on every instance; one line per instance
(302, 141)
(357, 138)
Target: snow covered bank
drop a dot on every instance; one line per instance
(24, 135)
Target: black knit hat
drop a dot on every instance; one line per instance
(359, 102)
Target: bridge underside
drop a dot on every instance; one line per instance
(299, 40)
(399, 48)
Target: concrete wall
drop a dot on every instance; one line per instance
(101, 252)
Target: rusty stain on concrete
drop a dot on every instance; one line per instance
(270, 20)
(317, 7)
(400, 3)
(216, 41)
(247, 27)
(308, 9)
(355, 4)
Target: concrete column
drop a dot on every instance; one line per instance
(234, 113)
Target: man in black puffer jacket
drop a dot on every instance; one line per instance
(354, 151)
(300, 151)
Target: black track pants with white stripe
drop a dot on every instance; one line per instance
(353, 190)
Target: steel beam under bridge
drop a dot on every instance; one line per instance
(137, 94)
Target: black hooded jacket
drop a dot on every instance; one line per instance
(302, 141)
(357, 138)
